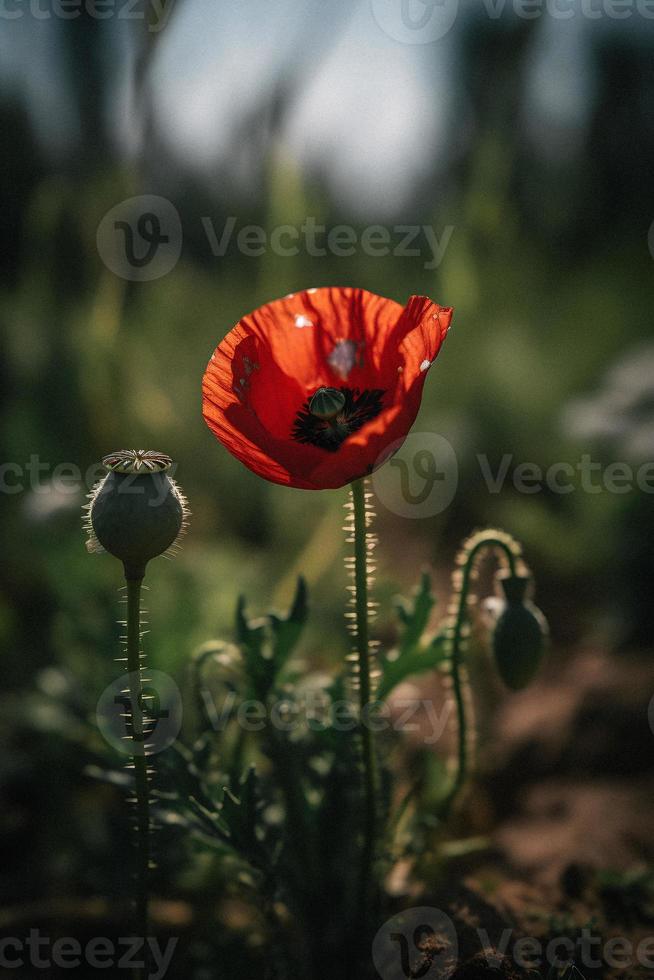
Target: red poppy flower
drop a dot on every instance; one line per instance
(314, 390)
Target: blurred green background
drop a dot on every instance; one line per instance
(531, 138)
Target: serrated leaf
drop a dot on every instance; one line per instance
(240, 814)
(251, 636)
(419, 660)
(287, 630)
(213, 820)
(412, 655)
(268, 643)
(415, 615)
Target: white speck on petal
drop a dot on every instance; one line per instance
(425, 365)
(343, 358)
(303, 321)
(312, 290)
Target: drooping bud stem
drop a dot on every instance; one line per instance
(327, 403)
(463, 576)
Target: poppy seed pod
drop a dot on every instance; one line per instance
(136, 511)
(327, 403)
(519, 634)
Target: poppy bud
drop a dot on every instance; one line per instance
(519, 634)
(327, 403)
(136, 511)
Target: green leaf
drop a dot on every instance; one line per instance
(268, 643)
(240, 813)
(251, 636)
(412, 655)
(287, 630)
(213, 820)
(418, 660)
(415, 617)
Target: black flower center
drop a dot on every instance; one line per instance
(358, 408)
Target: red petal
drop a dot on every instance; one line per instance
(262, 373)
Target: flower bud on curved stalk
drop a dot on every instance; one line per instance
(519, 631)
(137, 512)
(519, 634)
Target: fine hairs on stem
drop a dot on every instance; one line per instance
(457, 631)
(139, 726)
(136, 513)
(360, 567)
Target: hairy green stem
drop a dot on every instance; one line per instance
(138, 734)
(365, 688)
(456, 661)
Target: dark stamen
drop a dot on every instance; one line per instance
(329, 433)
